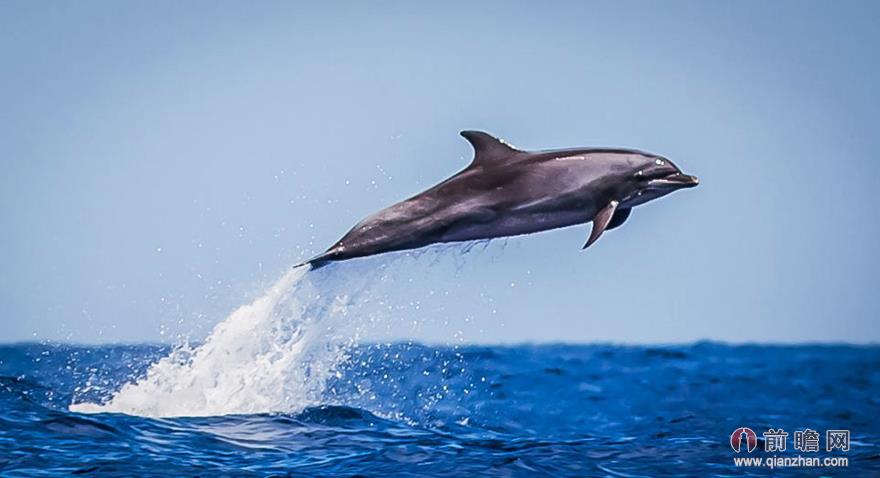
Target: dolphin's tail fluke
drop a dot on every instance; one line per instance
(318, 261)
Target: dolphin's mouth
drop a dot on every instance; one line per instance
(674, 180)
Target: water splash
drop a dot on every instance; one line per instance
(274, 354)
(277, 353)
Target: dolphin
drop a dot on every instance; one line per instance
(505, 191)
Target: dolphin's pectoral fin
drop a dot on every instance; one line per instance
(487, 148)
(618, 218)
(601, 221)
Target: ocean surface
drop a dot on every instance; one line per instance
(283, 388)
(412, 410)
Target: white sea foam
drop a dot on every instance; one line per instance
(274, 354)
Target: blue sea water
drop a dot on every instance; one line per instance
(284, 387)
(414, 410)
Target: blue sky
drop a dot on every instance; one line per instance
(163, 162)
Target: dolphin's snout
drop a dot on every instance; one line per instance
(676, 181)
(688, 180)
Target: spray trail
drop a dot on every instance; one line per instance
(274, 354)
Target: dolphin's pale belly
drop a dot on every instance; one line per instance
(431, 218)
(516, 224)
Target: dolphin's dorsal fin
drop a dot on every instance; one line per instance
(487, 148)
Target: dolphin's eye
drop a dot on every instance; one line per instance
(659, 162)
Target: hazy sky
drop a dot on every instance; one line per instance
(162, 162)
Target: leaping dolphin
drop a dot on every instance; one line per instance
(508, 192)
